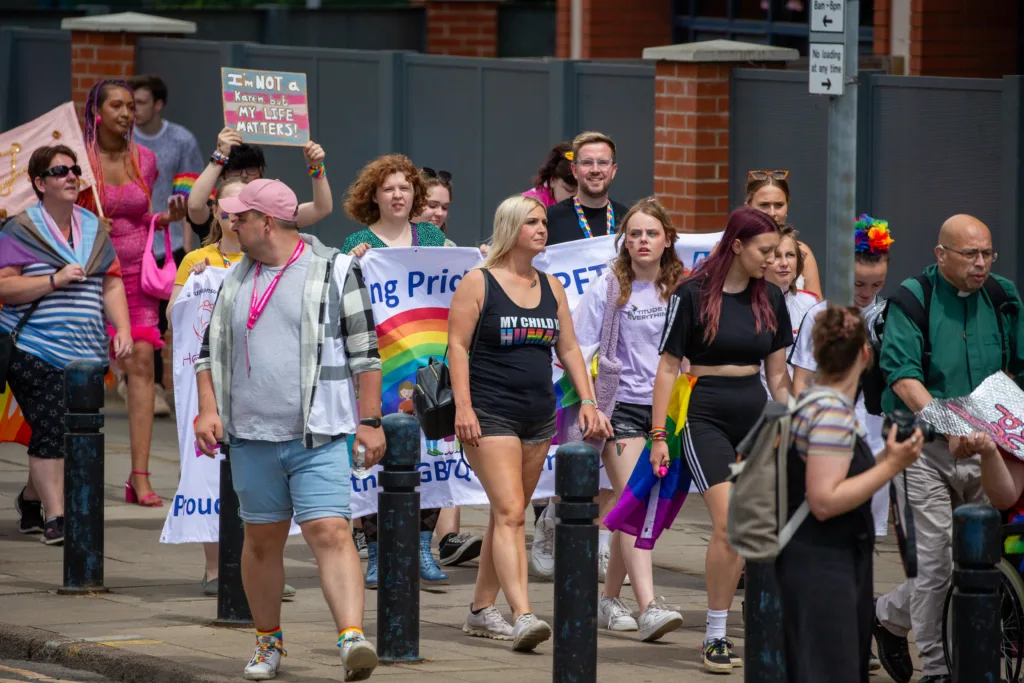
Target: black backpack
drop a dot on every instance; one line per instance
(873, 382)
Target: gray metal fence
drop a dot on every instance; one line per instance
(928, 148)
(490, 122)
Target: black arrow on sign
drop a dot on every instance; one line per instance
(827, 20)
(827, 83)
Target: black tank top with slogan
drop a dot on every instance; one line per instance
(510, 371)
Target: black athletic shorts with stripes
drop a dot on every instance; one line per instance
(721, 412)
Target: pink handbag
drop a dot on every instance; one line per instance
(158, 282)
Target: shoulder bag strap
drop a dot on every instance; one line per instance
(611, 316)
(999, 300)
(24, 319)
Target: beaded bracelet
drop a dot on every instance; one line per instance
(659, 434)
(318, 171)
(218, 158)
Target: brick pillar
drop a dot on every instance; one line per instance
(691, 126)
(463, 28)
(615, 29)
(882, 21)
(103, 47)
(963, 38)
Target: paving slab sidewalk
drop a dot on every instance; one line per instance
(154, 625)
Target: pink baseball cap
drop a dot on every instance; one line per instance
(270, 197)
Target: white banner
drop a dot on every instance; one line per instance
(410, 289)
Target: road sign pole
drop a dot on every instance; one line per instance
(832, 70)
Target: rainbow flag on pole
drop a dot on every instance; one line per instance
(649, 504)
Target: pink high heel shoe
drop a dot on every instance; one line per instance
(150, 500)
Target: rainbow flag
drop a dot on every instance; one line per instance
(649, 504)
(407, 341)
(13, 428)
(183, 183)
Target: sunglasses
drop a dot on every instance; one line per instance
(443, 176)
(764, 175)
(61, 172)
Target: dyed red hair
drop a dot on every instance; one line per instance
(744, 224)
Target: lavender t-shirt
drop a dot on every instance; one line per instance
(641, 321)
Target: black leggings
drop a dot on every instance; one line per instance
(428, 520)
(826, 593)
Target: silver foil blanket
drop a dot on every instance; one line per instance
(996, 408)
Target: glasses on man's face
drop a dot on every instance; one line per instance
(990, 255)
(765, 175)
(61, 171)
(443, 176)
(587, 164)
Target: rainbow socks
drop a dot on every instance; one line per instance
(276, 633)
(349, 634)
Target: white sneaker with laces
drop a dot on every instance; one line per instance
(613, 615)
(542, 550)
(657, 620)
(487, 623)
(529, 633)
(358, 657)
(604, 556)
(266, 659)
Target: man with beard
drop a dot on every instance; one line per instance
(590, 213)
(974, 331)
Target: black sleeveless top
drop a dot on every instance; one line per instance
(855, 527)
(510, 371)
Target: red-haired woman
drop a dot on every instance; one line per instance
(125, 172)
(726, 320)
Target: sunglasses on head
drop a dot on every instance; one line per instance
(61, 172)
(764, 175)
(443, 176)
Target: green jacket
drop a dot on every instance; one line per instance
(965, 344)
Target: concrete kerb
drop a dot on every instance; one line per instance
(36, 645)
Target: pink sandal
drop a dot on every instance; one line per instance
(150, 500)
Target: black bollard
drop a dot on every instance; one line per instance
(398, 543)
(763, 658)
(232, 606)
(577, 480)
(977, 543)
(83, 478)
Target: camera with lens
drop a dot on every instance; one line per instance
(906, 423)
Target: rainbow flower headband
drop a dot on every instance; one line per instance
(872, 235)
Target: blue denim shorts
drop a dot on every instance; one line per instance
(276, 481)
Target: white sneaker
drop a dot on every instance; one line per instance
(604, 556)
(488, 623)
(657, 620)
(358, 657)
(613, 615)
(266, 659)
(529, 633)
(542, 550)
(160, 406)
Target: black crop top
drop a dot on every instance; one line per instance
(736, 343)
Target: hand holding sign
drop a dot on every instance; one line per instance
(266, 107)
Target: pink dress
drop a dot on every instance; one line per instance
(543, 194)
(128, 207)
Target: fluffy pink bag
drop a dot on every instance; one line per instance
(158, 282)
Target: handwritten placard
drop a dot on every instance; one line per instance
(266, 107)
(995, 408)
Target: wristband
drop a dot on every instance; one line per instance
(659, 435)
(53, 283)
(588, 402)
(318, 171)
(218, 158)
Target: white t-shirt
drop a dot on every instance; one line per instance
(802, 356)
(798, 304)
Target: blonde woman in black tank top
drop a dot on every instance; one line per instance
(505, 404)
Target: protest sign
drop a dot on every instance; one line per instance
(266, 107)
(995, 408)
(56, 127)
(194, 514)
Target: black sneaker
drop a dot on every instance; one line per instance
(53, 531)
(31, 513)
(458, 548)
(359, 538)
(717, 659)
(893, 652)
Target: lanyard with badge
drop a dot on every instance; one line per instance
(585, 225)
(256, 307)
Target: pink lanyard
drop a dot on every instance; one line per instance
(256, 308)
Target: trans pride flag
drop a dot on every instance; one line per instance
(649, 504)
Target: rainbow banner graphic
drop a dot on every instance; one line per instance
(13, 428)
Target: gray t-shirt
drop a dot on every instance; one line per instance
(266, 403)
(177, 151)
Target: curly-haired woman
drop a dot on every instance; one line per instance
(387, 192)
